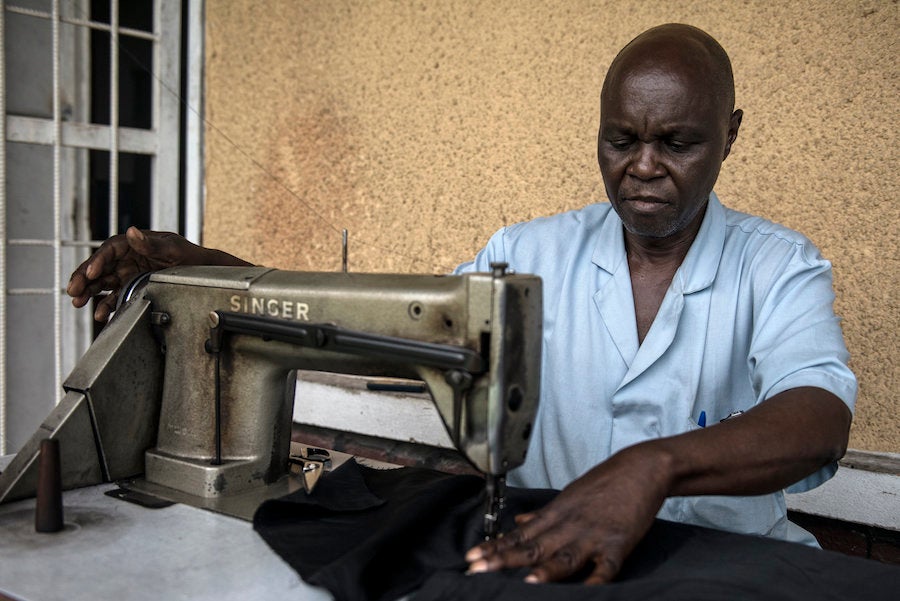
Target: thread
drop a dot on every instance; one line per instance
(48, 511)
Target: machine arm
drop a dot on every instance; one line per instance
(333, 338)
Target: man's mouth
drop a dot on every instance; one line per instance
(645, 204)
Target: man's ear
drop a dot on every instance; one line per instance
(734, 124)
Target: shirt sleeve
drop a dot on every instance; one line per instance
(797, 339)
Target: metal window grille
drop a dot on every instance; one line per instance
(48, 140)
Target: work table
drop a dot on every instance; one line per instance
(111, 549)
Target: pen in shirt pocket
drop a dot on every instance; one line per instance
(701, 421)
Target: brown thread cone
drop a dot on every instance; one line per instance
(48, 511)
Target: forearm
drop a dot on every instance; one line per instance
(768, 448)
(600, 517)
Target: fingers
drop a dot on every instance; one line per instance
(105, 307)
(83, 291)
(605, 569)
(145, 244)
(565, 562)
(531, 543)
(549, 563)
(103, 270)
(106, 258)
(77, 284)
(511, 551)
(574, 559)
(565, 539)
(550, 560)
(75, 290)
(116, 261)
(524, 518)
(107, 304)
(102, 262)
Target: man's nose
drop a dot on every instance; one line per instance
(644, 162)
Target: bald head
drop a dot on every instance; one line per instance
(678, 50)
(667, 121)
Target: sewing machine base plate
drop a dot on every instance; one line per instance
(241, 505)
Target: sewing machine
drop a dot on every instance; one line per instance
(187, 393)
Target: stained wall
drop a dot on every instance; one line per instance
(423, 127)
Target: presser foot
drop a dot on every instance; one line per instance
(309, 465)
(495, 500)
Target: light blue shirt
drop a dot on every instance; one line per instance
(748, 315)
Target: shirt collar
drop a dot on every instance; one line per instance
(700, 265)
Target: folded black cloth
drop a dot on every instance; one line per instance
(376, 535)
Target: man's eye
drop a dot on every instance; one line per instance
(677, 145)
(620, 143)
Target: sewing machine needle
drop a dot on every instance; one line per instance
(495, 490)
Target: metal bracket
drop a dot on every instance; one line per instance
(310, 465)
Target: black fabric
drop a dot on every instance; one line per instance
(375, 535)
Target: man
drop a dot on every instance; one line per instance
(664, 312)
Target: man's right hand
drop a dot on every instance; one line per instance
(127, 255)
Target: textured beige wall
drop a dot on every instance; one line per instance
(422, 127)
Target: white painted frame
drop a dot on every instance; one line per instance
(71, 330)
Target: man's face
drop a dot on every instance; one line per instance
(662, 140)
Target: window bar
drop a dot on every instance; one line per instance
(194, 113)
(57, 206)
(40, 14)
(113, 117)
(166, 106)
(3, 398)
(30, 291)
